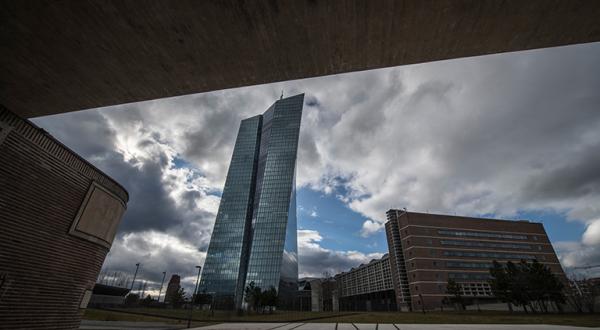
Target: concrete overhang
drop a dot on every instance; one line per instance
(61, 56)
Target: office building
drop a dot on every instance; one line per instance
(317, 295)
(367, 288)
(254, 238)
(426, 250)
(172, 288)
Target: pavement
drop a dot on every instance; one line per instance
(122, 325)
(125, 325)
(357, 326)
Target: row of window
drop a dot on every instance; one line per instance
(470, 276)
(486, 244)
(457, 264)
(489, 255)
(480, 234)
(476, 289)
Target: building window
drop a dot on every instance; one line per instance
(481, 234)
(490, 255)
(486, 244)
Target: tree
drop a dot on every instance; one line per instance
(146, 301)
(269, 298)
(177, 298)
(519, 282)
(531, 285)
(252, 296)
(584, 294)
(203, 298)
(500, 284)
(132, 299)
(454, 289)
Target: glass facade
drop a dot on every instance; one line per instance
(224, 268)
(273, 258)
(255, 238)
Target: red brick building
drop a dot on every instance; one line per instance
(426, 250)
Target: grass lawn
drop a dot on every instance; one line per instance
(104, 315)
(233, 316)
(586, 320)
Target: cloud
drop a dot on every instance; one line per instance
(157, 252)
(314, 260)
(591, 236)
(492, 135)
(370, 227)
(577, 259)
(170, 207)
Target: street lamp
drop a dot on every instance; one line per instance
(193, 298)
(137, 266)
(161, 286)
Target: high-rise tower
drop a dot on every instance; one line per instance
(254, 238)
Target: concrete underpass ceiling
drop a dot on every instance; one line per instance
(61, 56)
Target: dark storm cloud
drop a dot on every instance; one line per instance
(150, 208)
(496, 135)
(86, 132)
(487, 135)
(314, 260)
(579, 177)
(89, 134)
(218, 131)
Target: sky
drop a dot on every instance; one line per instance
(512, 136)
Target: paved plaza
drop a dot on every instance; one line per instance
(357, 326)
(126, 325)
(122, 325)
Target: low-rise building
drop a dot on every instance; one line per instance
(107, 296)
(427, 250)
(368, 287)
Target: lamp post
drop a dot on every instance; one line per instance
(137, 266)
(189, 325)
(161, 286)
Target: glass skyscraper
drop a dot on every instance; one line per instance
(255, 238)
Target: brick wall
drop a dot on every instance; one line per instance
(44, 270)
(432, 253)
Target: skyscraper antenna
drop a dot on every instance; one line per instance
(281, 97)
